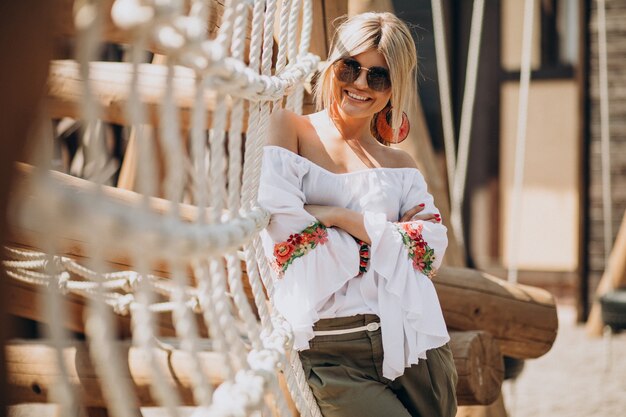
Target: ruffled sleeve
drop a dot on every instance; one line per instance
(310, 262)
(404, 256)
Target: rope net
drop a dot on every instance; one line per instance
(204, 233)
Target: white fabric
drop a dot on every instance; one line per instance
(325, 282)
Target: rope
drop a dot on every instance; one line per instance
(467, 113)
(605, 132)
(520, 141)
(444, 92)
(210, 244)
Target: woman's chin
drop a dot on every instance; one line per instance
(356, 110)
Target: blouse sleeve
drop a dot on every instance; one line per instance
(405, 256)
(310, 262)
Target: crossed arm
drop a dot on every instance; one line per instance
(352, 221)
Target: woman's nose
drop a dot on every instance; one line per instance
(361, 80)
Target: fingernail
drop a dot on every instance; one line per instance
(436, 215)
(422, 205)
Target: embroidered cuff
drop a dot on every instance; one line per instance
(364, 255)
(422, 255)
(297, 245)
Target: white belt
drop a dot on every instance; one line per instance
(371, 327)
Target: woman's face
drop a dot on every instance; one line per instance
(356, 99)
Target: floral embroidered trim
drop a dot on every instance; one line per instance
(422, 255)
(297, 245)
(364, 255)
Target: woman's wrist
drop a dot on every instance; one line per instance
(339, 215)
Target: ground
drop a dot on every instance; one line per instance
(579, 377)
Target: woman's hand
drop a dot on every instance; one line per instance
(414, 214)
(327, 215)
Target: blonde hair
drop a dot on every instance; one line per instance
(391, 37)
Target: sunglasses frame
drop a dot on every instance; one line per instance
(356, 68)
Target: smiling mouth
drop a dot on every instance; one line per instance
(357, 97)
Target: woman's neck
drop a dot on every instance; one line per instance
(351, 128)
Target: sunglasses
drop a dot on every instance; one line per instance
(347, 70)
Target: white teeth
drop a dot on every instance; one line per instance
(356, 97)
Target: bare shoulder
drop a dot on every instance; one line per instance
(397, 158)
(283, 129)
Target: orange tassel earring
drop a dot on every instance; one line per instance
(380, 127)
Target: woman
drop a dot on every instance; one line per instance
(354, 237)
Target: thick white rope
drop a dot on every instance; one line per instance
(189, 242)
(116, 389)
(443, 77)
(605, 132)
(515, 207)
(292, 39)
(467, 113)
(62, 392)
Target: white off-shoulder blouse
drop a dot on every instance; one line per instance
(324, 272)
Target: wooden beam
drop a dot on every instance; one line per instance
(521, 318)
(110, 82)
(64, 24)
(32, 370)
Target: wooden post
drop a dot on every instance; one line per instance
(614, 276)
(479, 365)
(26, 48)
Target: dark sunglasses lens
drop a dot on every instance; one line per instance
(347, 70)
(378, 79)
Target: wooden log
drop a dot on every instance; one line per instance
(614, 276)
(32, 370)
(26, 301)
(479, 365)
(521, 318)
(495, 409)
(110, 83)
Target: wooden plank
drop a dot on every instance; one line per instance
(110, 82)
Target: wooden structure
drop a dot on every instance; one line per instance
(490, 317)
(32, 371)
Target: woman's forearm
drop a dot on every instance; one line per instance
(351, 221)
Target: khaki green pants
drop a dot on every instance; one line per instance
(345, 375)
